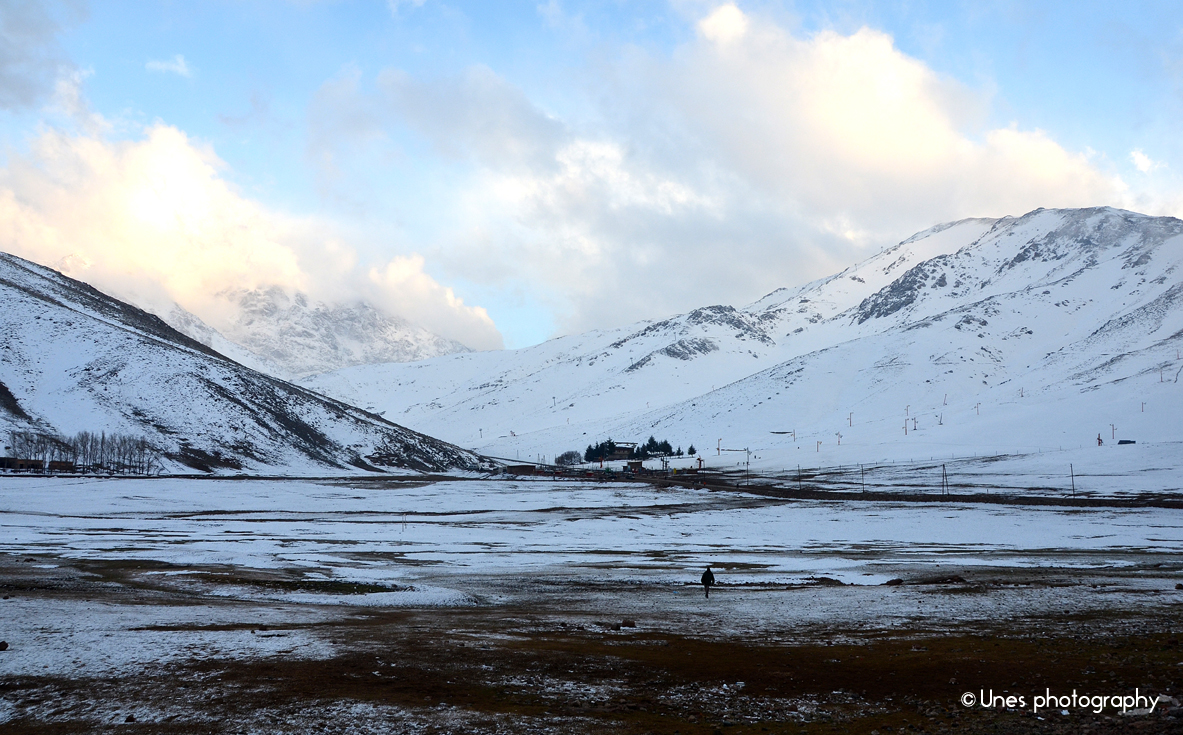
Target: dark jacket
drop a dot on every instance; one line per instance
(707, 578)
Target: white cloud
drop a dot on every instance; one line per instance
(725, 24)
(404, 287)
(847, 125)
(475, 114)
(69, 100)
(175, 65)
(748, 159)
(397, 5)
(154, 221)
(1143, 162)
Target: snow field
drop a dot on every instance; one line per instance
(197, 557)
(396, 535)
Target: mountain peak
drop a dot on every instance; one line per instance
(289, 334)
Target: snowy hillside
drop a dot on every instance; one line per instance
(73, 359)
(290, 335)
(1007, 335)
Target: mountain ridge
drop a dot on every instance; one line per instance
(986, 298)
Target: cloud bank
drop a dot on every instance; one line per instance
(748, 159)
(153, 221)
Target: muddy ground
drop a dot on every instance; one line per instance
(131, 646)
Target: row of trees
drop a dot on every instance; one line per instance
(654, 448)
(651, 448)
(102, 452)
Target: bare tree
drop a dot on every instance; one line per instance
(566, 459)
(102, 452)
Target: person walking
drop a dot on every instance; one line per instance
(707, 580)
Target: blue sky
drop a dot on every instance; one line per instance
(506, 172)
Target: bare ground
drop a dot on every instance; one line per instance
(543, 654)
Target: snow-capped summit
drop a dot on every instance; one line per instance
(290, 335)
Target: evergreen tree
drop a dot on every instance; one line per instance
(599, 451)
(691, 450)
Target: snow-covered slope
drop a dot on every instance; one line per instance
(1036, 331)
(290, 335)
(73, 359)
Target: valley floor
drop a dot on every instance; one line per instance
(481, 606)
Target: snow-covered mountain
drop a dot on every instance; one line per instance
(192, 326)
(1011, 333)
(290, 335)
(73, 359)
